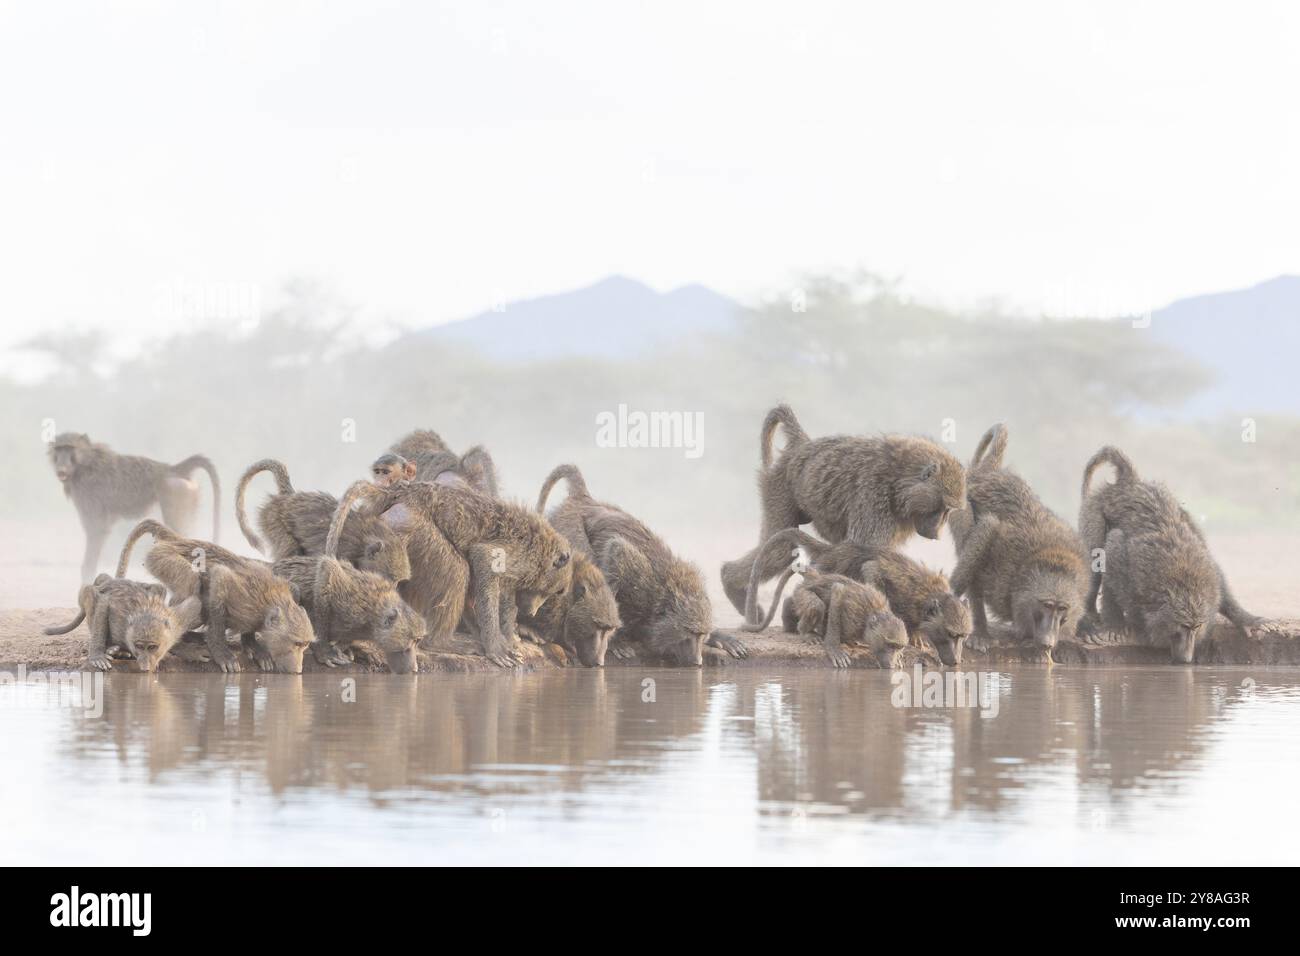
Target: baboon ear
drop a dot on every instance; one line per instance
(408, 470)
(929, 471)
(562, 559)
(390, 618)
(273, 617)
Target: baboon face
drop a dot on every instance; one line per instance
(150, 635)
(932, 496)
(1041, 617)
(388, 470)
(64, 454)
(556, 579)
(681, 624)
(591, 621)
(399, 631)
(1183, 623)
(286, 632)
(886, 634)
(387, 558)
(947, 625)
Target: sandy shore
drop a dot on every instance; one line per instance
(22, 642)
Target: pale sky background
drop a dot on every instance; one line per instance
(427, 159)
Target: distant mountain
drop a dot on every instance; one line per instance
(615, 318)
(1249, 338)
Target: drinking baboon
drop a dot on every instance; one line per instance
(424, 456)
(661, 598)
(1015, 555)
(464, 543)
(237, 593)
(298, 522)
(1161, 582)
(582, 620)
(871, 491)
(105, 486)
(347, 605)
(134, 615)
(920, 596)
(832, 609)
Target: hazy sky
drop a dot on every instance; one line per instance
(426, 159)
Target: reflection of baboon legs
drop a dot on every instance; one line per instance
(178, 498)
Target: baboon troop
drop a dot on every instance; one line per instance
(106, 487)
(426, 548)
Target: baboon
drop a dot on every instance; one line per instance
(237, 594)
(298, 522)
(424, 456)
(346, 605)
(832, 609)
(661, 598)
(1014, 555)
(872, 491)
(581, 620)
(134, 615)
(105, 486)
(464, 543)
(919, 596)
(1161, 582)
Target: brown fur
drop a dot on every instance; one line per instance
(1161, 582)
(424, 456)
(582, 620)
(133, 615)
(298, 522)
(871, 491)
(105, 486)
(1014, 555)
(661, 598)
(464, 546)
(237, 593)
(832, 609)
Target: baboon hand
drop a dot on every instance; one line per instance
(100, 662)
(726, 642)
(839, 658)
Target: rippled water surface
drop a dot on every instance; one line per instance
(1169, 765)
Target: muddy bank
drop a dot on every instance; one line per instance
(22, 642)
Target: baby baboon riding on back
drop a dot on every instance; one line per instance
(870, 491)
(105, 486)
(1161, 582)
(424, 456)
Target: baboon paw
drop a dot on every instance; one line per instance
(839, 658)
(729, 644)
(228, 663)
(100, 662)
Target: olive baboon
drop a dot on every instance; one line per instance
(871, 491)
(1014, 555)
(832, 609)
(134, 615)
(661, 598)
(919, 596)
(346, 605)
(298, 522)
(424, 456)
(581, 620)
(1161, 581)
(105, 486)
(237, 593)
(461, 544)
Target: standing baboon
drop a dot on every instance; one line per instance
(871, 491)
(1014, 555)
(661, 598)
(134, 615)
(832, 609)
(298, 522)
(105, 486)
(237, 593)
(921, 597)
(1161, 581)
(463, 543)
(347, 605)
(424, 456)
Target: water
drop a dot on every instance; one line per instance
(1162, 764)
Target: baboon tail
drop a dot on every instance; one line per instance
(794, 433)
(1110, 455)
(204, 462)
(991, 448)
(355, 490)
(477, 465)
(776, 601)
(571, 474)
(282, 486)
(790, 538)
(81, 616)
(147, 526)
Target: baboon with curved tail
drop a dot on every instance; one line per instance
(105, 487)
(465, 545)
(1161, 582)
(347, 605)
(833, 609)
(1014, 554)
(134, 615)
(871, 491)
(297, 523)
(921, 597)
(661, 598)
(237, 594)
